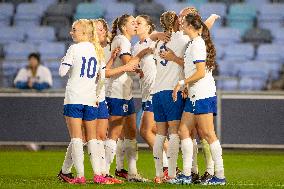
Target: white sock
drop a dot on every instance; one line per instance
(110, 148)
(187, 155)
(131, 152)
(158, 154)
(194, 168)
(173, 154)
(216, 152)
(165, 160)
(78, 156)
(208, 158)
(120, 151)
(102, 156)
(68, 162)
(93, 150)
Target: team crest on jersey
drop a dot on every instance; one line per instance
(125, 107)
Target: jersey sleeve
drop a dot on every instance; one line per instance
(68, 59)
(22, 76)
(125, 47)
(199, 53)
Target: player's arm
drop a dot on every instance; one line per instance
(199, 74)
(130, 67)
(114, 54)
(66, 62)
(209, 22)
(171, 56)
(161, 36)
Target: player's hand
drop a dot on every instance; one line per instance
(184, 93)
(115, 53)
(164, 36)
(215, 16)
(168, 55)
(140, 72)
(176, 89)
(132, 66)
(30, 83)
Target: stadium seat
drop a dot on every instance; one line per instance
(89, 10)
(64, 34)
(217, 8)
(220, 51)
(228, 84)
(226, 36)
(270, 53)
(229, 68)
(271, 15)
(239, 52)
(117, 9)
(11, 34)
(178, 6)
(39, 34)
(18, 51)
(257, 36)
(254, 69)
(55, 50)
(29, 14)
(241, 16)
(45, 3)
(6, 13)
(248, 84)
(58, 15)
(53, 67)
(60, 9)
(278, 36)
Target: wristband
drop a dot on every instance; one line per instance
(181, 82)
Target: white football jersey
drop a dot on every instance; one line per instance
(84, 69)
(107, 54)
(168, 72)
(120, 86)
(43, 74)
(148, 66)
(205, 87)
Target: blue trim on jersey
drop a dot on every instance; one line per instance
(124, 54)
(120, 107)
(41, 86)
(21, 85)
(165, 109)
(87, 113)
(67, 64)
(147, 106)
(202, 106)
(198, 61)
(103, 110)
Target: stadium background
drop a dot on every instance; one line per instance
(249, 39)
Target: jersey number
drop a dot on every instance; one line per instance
(92, 64)
(163, 47)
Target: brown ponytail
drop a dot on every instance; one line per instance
(168, 20)
(196, 22)
(114, 29)
(210, 48)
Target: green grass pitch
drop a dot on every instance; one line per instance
(243, 169)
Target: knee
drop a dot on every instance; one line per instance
(101, 137)
(208, 136)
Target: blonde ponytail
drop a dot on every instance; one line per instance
(96, 42)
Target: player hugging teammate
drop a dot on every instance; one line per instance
(178, 98)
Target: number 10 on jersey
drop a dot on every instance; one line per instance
(92, 64)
